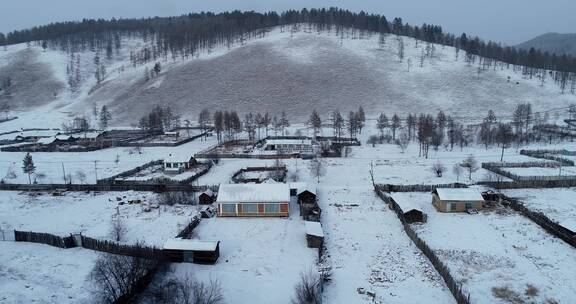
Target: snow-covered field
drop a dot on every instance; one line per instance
(499, 249)
(35, 273)
(558, 204)
(561, 171)
(368, 249)
(101, 163)
(92, 215)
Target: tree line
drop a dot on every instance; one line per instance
(185, 35)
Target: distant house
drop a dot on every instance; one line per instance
(207, 197)
(174, 134)
(457, 199)
(253, 200)
(314, 234)
(192, 251)
(289, 146)
(175, 164)
(306, 195)
(411, 210)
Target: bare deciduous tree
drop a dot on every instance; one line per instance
(188, 291)
(438, 168)
(457, 170)
(470, 164)
(317, 168)
(403, 141)
(118, 229)
(307, 291)
(115, 276)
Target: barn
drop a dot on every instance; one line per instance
(177, 164)
(288, 146)
(179, 250)
(409, 207)
(457, 199)
(253, 200)
(207, 197)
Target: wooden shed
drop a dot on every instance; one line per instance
(306, 196)
(192, 251)
(409, 207)
(314, 234)
(207, 197)
(457, 199)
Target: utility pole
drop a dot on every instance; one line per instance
(96, 170)
(63, 173)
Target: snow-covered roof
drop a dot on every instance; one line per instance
(569, 224)
(179, 158)
(46, 141)
(64, 137)
(171, 133)
(314, 228)
(306, 188)
(289, 142)
(194, 245)
(208, 192)
(253, 193)
(406, 202)
(459, 194)
(90, 135)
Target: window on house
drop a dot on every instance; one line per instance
(228, 208)
(168, 165)
(272, 208)
(249, 208)
(469, 206)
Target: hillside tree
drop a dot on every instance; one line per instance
(28, 166)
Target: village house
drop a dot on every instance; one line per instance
(176, 164)
(253, 200)
(289, 146)
(179, 250)
(173, 134)
(457, 199)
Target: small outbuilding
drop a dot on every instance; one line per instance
(176, 164)
(207, 197)
(457, 199)
(411, 210)
(307, 196)
(179, 250)
(253, 200)
(314, 234)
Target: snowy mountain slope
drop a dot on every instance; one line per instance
(552, 43)
(295, 72)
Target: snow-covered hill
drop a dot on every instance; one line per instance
(284, 71)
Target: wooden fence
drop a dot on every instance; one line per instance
(529, 184)
(549, 155)
(108, 187)
(500, 170)
(542, 220)
(441, 268)
(186, 233)
(416, 188)
(139, 251)
(44, 238)
(131, 171)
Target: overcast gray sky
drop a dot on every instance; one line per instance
(507, 21)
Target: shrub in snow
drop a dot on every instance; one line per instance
(308, 289)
